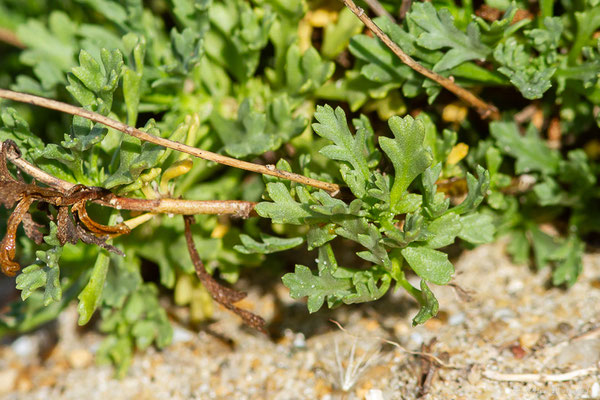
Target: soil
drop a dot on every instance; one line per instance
(502, 321)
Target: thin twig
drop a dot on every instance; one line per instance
(404, 8)
(567, 376)
(428, 371)
(526, 114)
(378, 9)
(38, 174)
(332, 188)
(463, 294)
(238, 208)
(9, 37)
(592, 333)
(485, 110)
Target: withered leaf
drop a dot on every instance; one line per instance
(24, 194)
(95, 227)
(11, 190)
(32, 229)
(90, 238)
(66, 232)
(8, 244)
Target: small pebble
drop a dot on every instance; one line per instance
(514, 286)
(456, 319)
(518, 351)
(299, 340)
(474, 375)
(401, 329)
(23, 383)
(504, 313)
(182, 335)
(417, 338)
(565, 328)
(25, 346)
(374, 394)
(8, 378)
(528, 340)
(80, 358)
(433, 324)
(595, 390)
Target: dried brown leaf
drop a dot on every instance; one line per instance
(90, 238)
(95, 227)
(24, 194)
(32, 229)
(8, 244)
(66, 233)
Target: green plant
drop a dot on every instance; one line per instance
(239, 86)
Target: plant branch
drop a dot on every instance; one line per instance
(484, 109)
(221, 294)
(332, 188)
(238, 208)
(404, 7)
(9, 37)
(378, 9)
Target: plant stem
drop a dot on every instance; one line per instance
(238, 208)
(547, 10)
(332, 188)
(404, 8)
(586, 24)
(484, 109)
(378, 9)
(9, 37)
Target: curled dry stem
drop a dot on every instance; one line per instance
(70, 201)
(8, 245)
(25, 194)
(237, 208)
(484, 109)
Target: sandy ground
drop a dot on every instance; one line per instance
(513, 326)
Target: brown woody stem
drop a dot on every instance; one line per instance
(485, 110)
(378, 9)
(221, 294)
(332, 188)
(238, 208)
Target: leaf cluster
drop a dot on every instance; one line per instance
(393, 228)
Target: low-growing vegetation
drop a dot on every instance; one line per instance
(209, 134)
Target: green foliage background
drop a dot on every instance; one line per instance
(253, 80)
